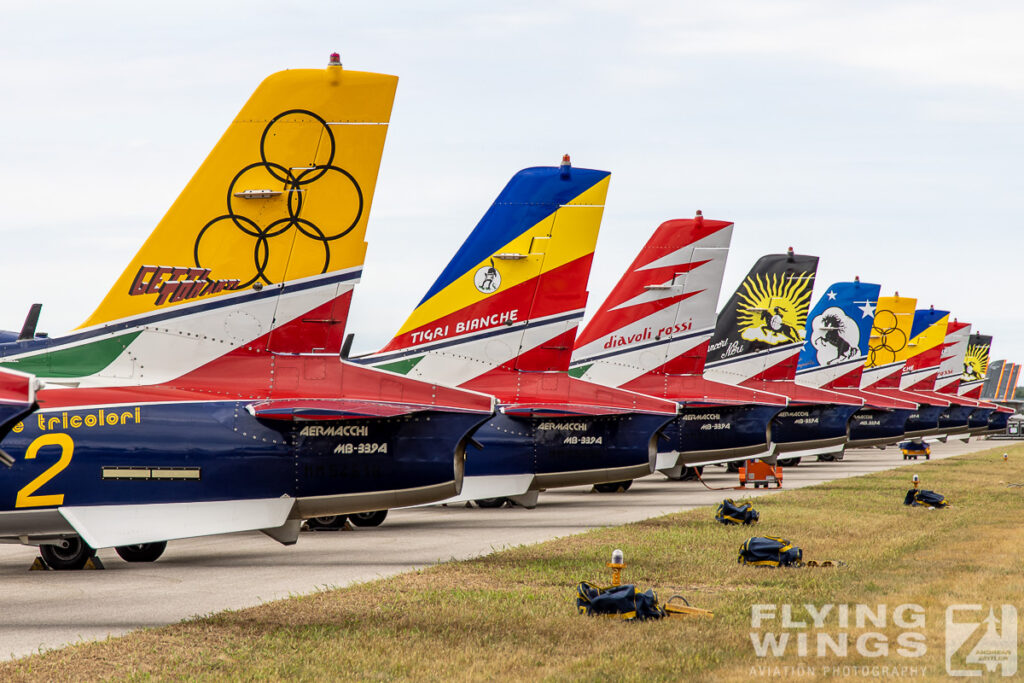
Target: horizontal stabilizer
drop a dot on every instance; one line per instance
(105, 526)
(334, 409)
(17, 387)
(695, 390)
(912, 396)
(569, 396)
(876, 400)
(798, 393)
(542, 410)
(937, 396)
(17, 399)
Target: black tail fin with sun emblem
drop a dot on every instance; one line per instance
(975, 365)
(761, 329)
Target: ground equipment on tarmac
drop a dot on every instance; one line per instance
(914, 449)
(760, 474)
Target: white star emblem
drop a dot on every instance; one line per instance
(867, 309)
(831, 295)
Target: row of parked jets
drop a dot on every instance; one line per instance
(212, 390)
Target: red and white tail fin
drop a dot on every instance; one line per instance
(661, 314)
(954, 349)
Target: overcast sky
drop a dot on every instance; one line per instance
(884, 137)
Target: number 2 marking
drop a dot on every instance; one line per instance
(25, 498)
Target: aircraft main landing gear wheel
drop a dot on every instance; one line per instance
(71, 553)
(733, 465)
(827, 457)
(328, 523)
(375, 518)
(692, 473)
(141, 552)
(789, 462)
(491, 502)
(614, 486)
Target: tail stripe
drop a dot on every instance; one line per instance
(144, 320)
(469, 338)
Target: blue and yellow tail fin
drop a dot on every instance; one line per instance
(513, 295)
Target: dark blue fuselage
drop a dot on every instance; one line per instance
(558, 449)
(811, 426)
(998, 421)
(187, 452)
(707, 433)
(877, 426)
(978, 420)
(955, 417)
(924, 420)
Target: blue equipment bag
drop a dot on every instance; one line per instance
(770, 551)
(625, 602)
(925, 498)
(731, 513)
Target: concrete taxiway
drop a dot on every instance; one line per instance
(48, 609)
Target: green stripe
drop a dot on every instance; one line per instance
(78, 361)
(579, 370)
(402, 367)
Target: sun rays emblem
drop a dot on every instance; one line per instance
(773, 309)
(975, 363)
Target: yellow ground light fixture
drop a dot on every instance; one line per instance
(1006, 456)
(917, 482)
(617, 565)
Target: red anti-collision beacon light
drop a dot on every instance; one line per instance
(698, 219)
(335, 59)
(563, 170)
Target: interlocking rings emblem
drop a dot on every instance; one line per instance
(259, 220)
(892, 339)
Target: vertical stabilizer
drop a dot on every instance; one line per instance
(838, 336)
(266, 240)
(925, 346)
(954, 350)
(512, 296)
(890, 335)
(975, 365)
(760, 331)
(660, 315)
